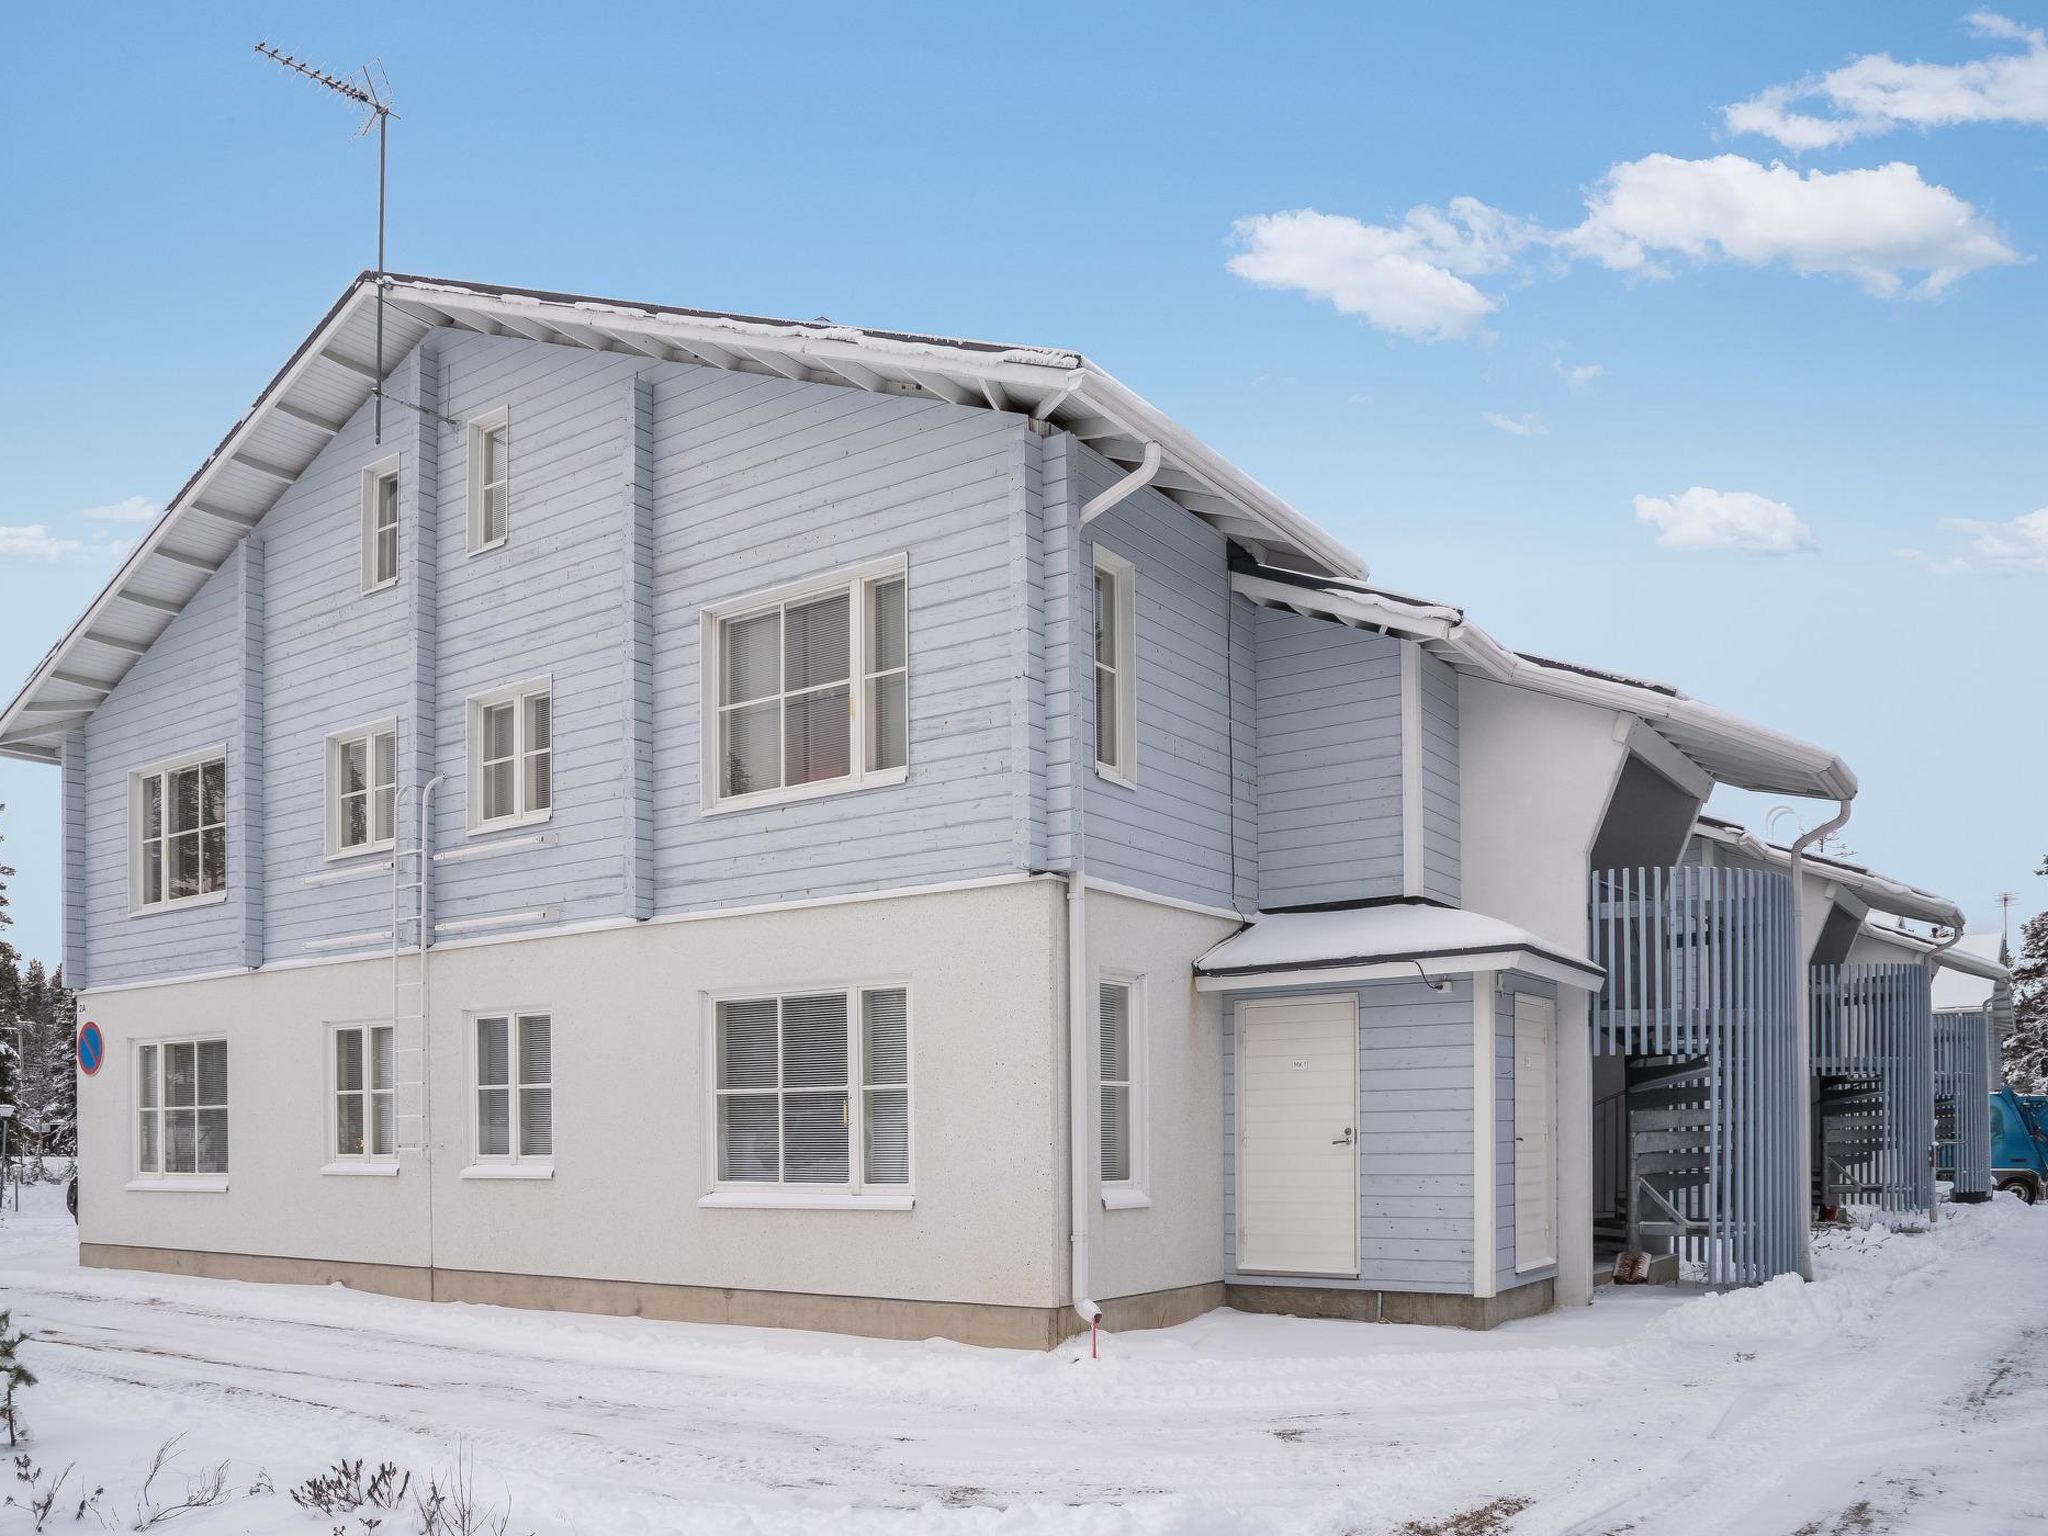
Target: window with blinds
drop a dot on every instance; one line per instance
(380, 526)
(1116, 695)
(362, 788)
(181, 1108)
(811, 690)
(178, 824)
(515, 1095)
(1117, 1076)
(490, 481)
(365, 1094)
(813, 1089)
(512, 756)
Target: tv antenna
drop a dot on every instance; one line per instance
(370, 96)
(2005, 901)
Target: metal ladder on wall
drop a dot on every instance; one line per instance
(411, 937)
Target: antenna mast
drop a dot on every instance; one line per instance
(378, 111)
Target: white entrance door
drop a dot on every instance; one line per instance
(1535, 1131)
(1297, 1136)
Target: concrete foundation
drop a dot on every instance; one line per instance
(1394, 1306)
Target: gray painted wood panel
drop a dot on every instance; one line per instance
(1329, 762)
(72, 808)
(1505, 1275)
(1440, 824)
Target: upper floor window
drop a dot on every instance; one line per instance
(490, 480)
(380, 525)
(814, 1089)
(511, 756)
(1116, 690)
(181, 1106)
(812, 688)
(362, 788)
(178, 829)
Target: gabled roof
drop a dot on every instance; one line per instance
(1726, 747)
(1867, 885)
(334, 370)
(1376, 940)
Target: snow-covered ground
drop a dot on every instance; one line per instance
(1906, 1391)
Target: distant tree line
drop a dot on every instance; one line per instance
(38, 1030)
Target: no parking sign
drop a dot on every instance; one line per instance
(92, 1050)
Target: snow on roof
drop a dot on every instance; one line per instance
(1393, 934)
(1874, 889)
(1971, 975)
(1727, 748)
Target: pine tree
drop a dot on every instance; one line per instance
(56, 1071)
(13, 1376)
(2026, 1048)
(10, 991)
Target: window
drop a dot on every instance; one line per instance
(511, 755)
(1115, 667)
(365, 1096)
(515, 1095)
(362, 789)
(182, 1108)
(814, 1089)
(179, 831)
(1114, 1009)
(380, 525)
(812, 688)
(490, 480)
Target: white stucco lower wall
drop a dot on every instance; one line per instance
(633, 1105)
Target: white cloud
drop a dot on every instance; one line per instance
(1411, 278)
(1875, 93)
(35, 542)
(1876, 226)
(134, 509)
(1700, 519)
(2016, 547)
(1578, 375)
(1524, 425)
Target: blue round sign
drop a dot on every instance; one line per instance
(92, 1049)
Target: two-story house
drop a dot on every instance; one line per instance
(624, 808)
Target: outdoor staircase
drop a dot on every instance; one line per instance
(1670, 1151)
(1851, 1112)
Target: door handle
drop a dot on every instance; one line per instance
(1346, 1139)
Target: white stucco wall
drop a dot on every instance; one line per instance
(632, 1105)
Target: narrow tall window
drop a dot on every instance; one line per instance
(512, 750)
(365, 1097)
(1114, 999)
(490, 481)
(380, 527)
(515, 1094)
(814, 1089)
(182, 1108)
(1115, 667)
(812, 689)
(362, 780)
(178, 819)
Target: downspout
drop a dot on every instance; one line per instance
(1127, 487)
(1934, 955)
(1802, 1034)
(1079, 1097)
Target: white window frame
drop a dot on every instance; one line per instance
(481, 427)
(858, 582)
(367, 733)
(374, 476)
(368, 1159)
(856, 1193)
(1135, 1191)
(516, 695)
(158, 1177)
(512, 1163)
(197, 758)
(1123, 767)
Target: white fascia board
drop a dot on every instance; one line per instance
(1354, 607)
(1586, 978)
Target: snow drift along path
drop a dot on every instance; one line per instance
(1906, 1391)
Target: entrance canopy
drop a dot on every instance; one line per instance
(1381, 940)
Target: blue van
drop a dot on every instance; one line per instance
(2019, 1143)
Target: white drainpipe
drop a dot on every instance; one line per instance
(1080, 1087)
(1802, 1031)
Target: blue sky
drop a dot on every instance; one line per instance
(1636, 305)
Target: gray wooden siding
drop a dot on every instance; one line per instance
(185, 694)
(636, 601)
(1440, 853)
(1067, 654)
(246, 818)
(72, 805)
(1171, 834)
(1329, 762)
(1512, 982)
(761, 482)
(1415, 1145)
